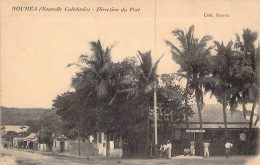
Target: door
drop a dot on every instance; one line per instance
(62, 146)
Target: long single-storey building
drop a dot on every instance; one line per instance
(213, 130)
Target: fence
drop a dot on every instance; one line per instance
(86, 148)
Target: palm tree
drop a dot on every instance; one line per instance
(94, 77)
(219, 83)
(192, 58)
(95, 70)
(250, 68)
(141, 85)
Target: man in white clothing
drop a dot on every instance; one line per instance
(206, 149)
(228, 146)
(169, 148)
(192, 148)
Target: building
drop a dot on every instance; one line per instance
(109, 145)
(213, 130)
(60, 143)
(31, 141)
(28, 142)
(100, 144)
(9, 132)
(16, 130)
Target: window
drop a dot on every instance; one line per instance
(177, 134)
(117, 142)
(99, 137)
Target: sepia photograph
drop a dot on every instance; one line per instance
(129, 82)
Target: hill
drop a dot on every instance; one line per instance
(18, 116)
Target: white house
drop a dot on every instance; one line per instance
(60, 144)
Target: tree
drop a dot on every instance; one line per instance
(95, 70)
(46, 127)
(170, 109)
(192, 58)
(220, 81)
(141, 85)
(75, 116)
(250, 68)
(93, 80)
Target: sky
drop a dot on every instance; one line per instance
(37, 46)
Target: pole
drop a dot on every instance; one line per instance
(23, 137)
(155, 117)
(78, 137)
(155, 97)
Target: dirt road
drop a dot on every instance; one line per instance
(19, 157)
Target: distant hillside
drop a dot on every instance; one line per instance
(17, 116)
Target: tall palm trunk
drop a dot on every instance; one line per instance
(186, 101)
(252, 114)
(199, 101)
(224, 105)
(244, 109)
(244, 106)
(251, 120)
(199, 112)
(257, 119)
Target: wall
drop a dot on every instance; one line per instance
(115, 152)
(57, 147)
(99, 149)
(44, 147)
(86, 148)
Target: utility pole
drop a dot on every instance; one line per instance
(78, 137)
(155, 116)
(155, 95)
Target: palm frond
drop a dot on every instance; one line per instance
(130, 91)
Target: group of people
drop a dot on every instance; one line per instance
(166, 148)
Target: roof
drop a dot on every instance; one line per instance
(212, 117)
(14, 128)
(32, 136)
(62, 138)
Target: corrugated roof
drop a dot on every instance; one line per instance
(214, 113)
(212, 118)
(14, 128)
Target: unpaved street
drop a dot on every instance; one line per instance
(19, 157)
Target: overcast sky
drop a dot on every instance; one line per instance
(37, 46)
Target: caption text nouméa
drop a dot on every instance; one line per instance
(79, 9)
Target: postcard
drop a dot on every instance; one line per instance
(130, 81)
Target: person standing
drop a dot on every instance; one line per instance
(206, 149)
(187, 151)
(163, 148)
(228, 146)
(192, 148)
(169, 148)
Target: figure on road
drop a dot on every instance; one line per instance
(192, 148)
(228, 146)
(206, 149)
(169, 148)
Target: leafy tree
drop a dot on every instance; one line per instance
(140, 85)
(47, 126)
(76, 116)
(170, 109)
